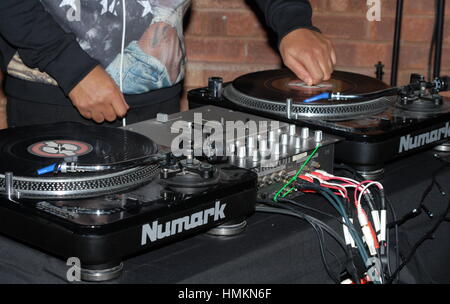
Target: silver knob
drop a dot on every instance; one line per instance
(273, 136)
(255, 155)
(284, 150)
(292, 130)
(231, 149)
(276, 149)
(284, 139)
(189, 156)
(242, 152)
(288, 107)
(251, 142)
(305, 133)
(298, 142)
(318, 136)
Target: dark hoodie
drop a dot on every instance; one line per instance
(48, 46)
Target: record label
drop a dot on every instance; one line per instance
(60, 148)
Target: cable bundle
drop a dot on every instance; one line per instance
(353, 200)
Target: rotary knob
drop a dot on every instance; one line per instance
(215, 87)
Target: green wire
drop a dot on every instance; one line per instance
(295, 176)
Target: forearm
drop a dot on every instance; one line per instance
(42, 43)
(284, 16)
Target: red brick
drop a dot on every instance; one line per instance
(417, 28)
(342, 26)
(198, 73)
(219, 4)
(226, 39)
(207, 23)
(347, 6)
(215, 49)
(414, 56)
(244, 24)
(422, 7)
(261, 52)
(382, 30)
(362, 54)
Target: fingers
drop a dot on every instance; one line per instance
(98, 117)
(312, 68)
(97, 97)
(309, 54)
(299, 69)
(120, 106)
(333, 53)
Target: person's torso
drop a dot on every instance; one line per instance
(154, 54)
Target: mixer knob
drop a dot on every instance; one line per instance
(273, 136)
(255, 155)
(242, 152)
(215, 86)
(276, 149)
(305, 133)
(318, 136)
(298, 142)
(292, 130)
(231, 149)
(284, 139)
(251, 142)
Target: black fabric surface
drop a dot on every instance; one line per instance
(274, 248)
(22, 112)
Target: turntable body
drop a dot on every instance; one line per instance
(375, 131)
(102, 218)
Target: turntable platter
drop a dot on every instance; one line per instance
(268, 91)
(24, 150)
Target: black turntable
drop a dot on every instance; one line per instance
(378, 123)
(111, 194)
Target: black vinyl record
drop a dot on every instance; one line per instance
(278, 85)
(24, 150)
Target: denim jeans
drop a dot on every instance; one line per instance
(142, 73)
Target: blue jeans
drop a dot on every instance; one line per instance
(142, 73)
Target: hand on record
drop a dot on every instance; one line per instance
(97, 97)
(309, 54)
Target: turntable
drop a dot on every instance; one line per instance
(378, 123)
(100, 194)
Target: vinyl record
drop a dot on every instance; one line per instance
(278, 85)
(267, 91)
(24, 150)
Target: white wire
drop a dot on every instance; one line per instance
(124, 29)
(366, 188)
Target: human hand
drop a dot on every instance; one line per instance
(309, 54)
(97, 97)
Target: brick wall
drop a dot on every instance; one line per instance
(227, 38)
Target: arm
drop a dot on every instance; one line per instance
(42, 44)
(3, 120)
(303, 48)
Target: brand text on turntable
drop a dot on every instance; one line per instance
(157, 231)
(410, 142)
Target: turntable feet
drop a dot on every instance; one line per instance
(102, 273)
(229, 228)
(444, 147)
(371, 174)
